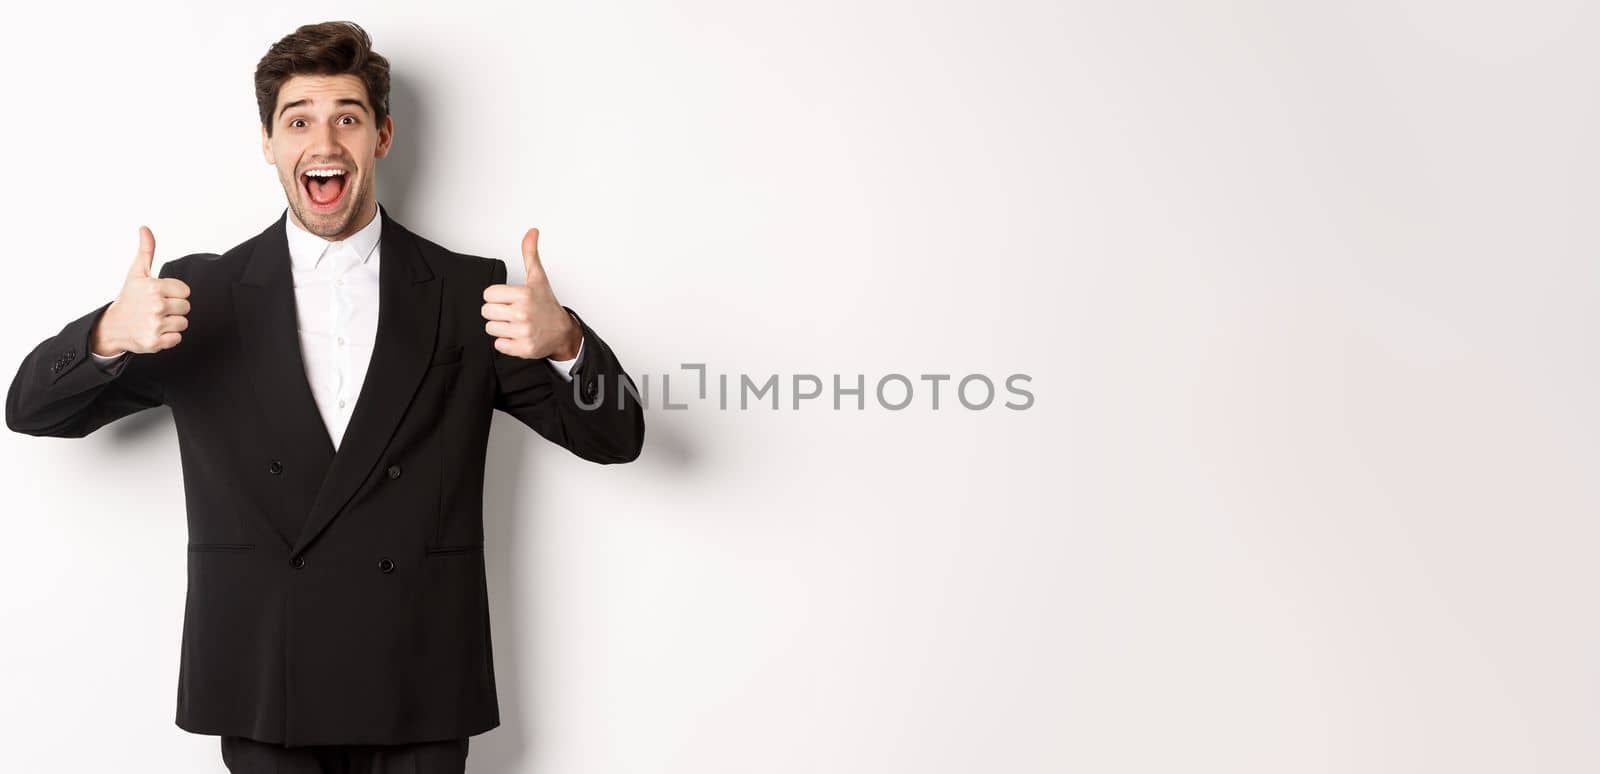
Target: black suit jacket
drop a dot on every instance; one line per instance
(334, 598)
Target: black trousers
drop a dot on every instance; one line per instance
(243, 755)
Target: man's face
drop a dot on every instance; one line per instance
(325, 122)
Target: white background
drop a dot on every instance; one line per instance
(1307, 293)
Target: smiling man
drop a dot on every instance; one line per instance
(332, 381)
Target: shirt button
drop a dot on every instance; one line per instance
(341, 341)
(275, 467)
(386, 564)
(297, 562)
(394, 471)
(341, 404)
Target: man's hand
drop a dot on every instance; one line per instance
(149, 312)
(526, 320)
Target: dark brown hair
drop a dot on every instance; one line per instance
(328, 48)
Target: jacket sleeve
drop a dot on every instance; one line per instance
(60, 391)
(607, 427)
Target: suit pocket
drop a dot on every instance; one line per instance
(222, 546)
(452, 550)
(447, 356)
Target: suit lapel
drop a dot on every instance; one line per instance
(269, 338)
(408, 318)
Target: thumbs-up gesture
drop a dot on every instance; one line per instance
(149, 312)
(526, 320)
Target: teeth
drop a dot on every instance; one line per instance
(324, 172)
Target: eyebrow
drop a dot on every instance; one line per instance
(340, 101)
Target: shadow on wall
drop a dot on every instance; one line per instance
(398, 172)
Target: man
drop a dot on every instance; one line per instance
(332, 381)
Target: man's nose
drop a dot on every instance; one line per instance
(325, 142)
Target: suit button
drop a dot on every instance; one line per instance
(275, 467)
(297, 561)
(386, 564)
(394, 471)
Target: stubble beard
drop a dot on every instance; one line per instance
(330, 225)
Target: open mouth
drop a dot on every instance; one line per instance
(325, 188)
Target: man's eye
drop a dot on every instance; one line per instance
(352, 118)
(296, 121)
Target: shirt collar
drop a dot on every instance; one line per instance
(306, 249)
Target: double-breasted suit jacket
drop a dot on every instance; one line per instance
(334, 597)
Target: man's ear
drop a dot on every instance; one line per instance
(385, 138)
(266, 147)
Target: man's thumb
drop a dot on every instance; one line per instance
(147, 252)
(530, 255)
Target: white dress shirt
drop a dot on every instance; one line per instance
(336, 310)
